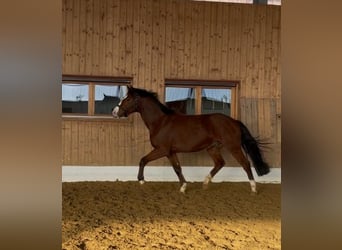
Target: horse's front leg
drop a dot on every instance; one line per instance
(153, 155)
(176, 166)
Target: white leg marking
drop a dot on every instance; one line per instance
(253, 185)
(183, 187)
(141, 182)
(207, 179)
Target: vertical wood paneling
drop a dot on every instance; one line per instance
(129, 38)
(89, 22)
(102, 36)
(68, 35)
(116, 31)
(213, 67)
(181, 40)
(188, 32)
(151, 40)
(206, 40)
(168, 38)
(122, 38)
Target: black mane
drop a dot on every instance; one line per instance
(154, 96)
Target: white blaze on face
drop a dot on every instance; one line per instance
(116, 109)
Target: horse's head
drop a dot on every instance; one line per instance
(127, 105)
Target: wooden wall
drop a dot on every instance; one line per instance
(151, 40)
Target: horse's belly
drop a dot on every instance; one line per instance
(191, 144)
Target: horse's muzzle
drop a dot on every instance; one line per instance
(115, 112)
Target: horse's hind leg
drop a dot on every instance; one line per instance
(215, 154)
(176, 166)
(242, 159)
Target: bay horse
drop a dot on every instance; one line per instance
(172, 133)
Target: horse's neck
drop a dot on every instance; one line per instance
(151, 114)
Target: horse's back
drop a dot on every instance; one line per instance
(189, 133)
(223, 125)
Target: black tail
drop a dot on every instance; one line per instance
(251, 147)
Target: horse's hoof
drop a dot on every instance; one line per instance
(205, 186)
(183, 188)
(254, 193)
(142, 182)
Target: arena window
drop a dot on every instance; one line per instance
(91, 96)
(202, 97)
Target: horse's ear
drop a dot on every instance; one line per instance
(129, 87)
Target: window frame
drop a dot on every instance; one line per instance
(92, 81)
(198, 85)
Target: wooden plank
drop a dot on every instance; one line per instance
(115, 40)
(212, 41)
(74, 144)
(168, 38)
(91, 99)
(199, 44)
(174, 40)
(206, 40)
(129, 39)
(237, 38)
(218, 41)
(161, 53)
(75, 67)
(96, 39)
(198, 102)
(225, 37)
(194, 32)
(68, 34)
(267, 56)
(89, 37)
(88, 146)
(155, 45)
(261, 62)
(249, 47)
(273, 121)
(102, 37)
(142, 43)
(108, 46)
(188, 32)
(64, 34)
(244, 50)
(66, 142)
(231, 37)
(83, 38)
(136, 41)
(122, 38)
(81, 141)
(278, 121)
(148, 46)
(276, 64)
(181, 39)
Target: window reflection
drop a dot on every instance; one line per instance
(216, 101)
(180, 99)
(75, 98)
(107, 97)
